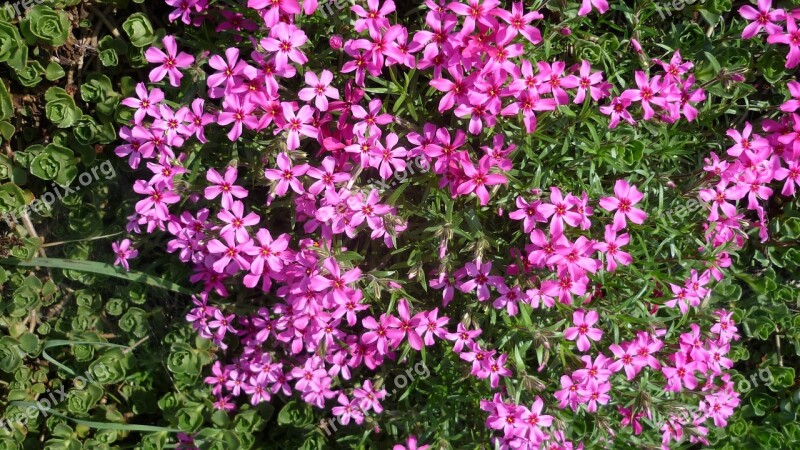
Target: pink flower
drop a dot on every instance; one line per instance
(611, 247)
(297, 124)
(170, 62)
(277, 7)
(285, 40)
(158, 197)
(388, 159)
(519, 23)
(239, 113)
(236, 221)
(349, 409)
(476, 11)
(480, 279)
(146, 104)
(368, 397)
(583, 330)
(225, 186)
(626, 197)
(478, 179)
(592, 82)
(374, 19)
(431, 325)
(286, 175)
(411, 444)
(319, 90)
(230, 253)
(618, 109)
(124, 252)
(681, 374)
(230, 72)
(586, 6)
(762, 18)
(326, 175)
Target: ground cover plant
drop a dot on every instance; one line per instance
(391, 224)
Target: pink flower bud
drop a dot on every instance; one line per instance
(336, 42)
(566, 31)
(636, 46)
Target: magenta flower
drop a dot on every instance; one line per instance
(762, 18)
(388, 159)
(583, 330)
(348, 409)
(146, 104)
(478, 179)
(319, 90)
(586, 6)
(368, 397)
(618, 109)
(591, 82)
(239, 113)
(124, 251)
(612, 249)
(626, 197)
(462, 337)
(476, 11)
(230, 253)
(520, 23)
(286, 175)
(370, 120)
(481, 280)
(158, 197)
(225, 186)
(297, 124)
(680, 375)
(236, 221)
(374, 19)
(326, 175)
(406, 326)
(277, 7)
(431, 325)
(285, 40)
(647, 92)
(230, 72)
(170, 62)
(411, 444)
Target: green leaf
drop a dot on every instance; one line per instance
(54, 71)
(139, 30)
(100, 269)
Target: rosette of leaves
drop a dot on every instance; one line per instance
(111, 367)
(139, 30)
(56, 163)
(30, 75)
(6, 112)
(10, 354)
(110, 50)
(13, 50)
(11, 198)
(9, 170)
(45, 24)
(184, 363)
(61, 108)
(79, 402)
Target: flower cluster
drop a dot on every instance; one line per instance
(318, 331)
(674, 92)
(765, 18)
